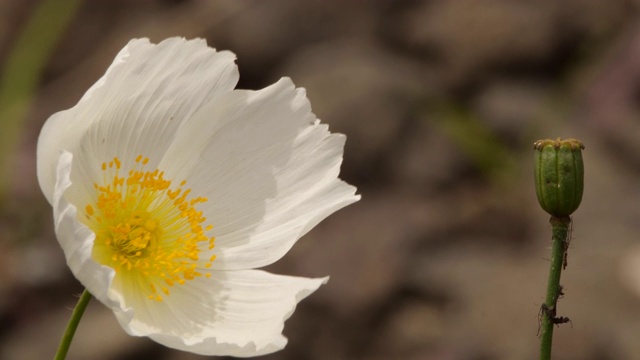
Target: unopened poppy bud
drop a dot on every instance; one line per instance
(559, 175)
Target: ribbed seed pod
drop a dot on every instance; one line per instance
(559, 175)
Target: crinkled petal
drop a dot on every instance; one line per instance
(268, 167)
(237, 313)
(136, 107)
(77, 240)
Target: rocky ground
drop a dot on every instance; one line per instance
(446, 255)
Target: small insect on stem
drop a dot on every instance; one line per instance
(541, 312)
(567, 241)
(560, 294)
(550, 313)
(561, 320)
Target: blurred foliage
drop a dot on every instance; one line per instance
(485, 150)
(22, 71)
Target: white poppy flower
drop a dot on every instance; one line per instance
(169, 188)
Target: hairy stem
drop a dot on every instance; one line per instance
(63, 348)
(560, 230)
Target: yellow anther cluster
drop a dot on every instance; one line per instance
(149, 233)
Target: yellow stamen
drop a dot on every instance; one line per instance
(148, 233)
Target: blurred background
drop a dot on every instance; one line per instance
(446, 255)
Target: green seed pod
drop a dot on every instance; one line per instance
(559, 175)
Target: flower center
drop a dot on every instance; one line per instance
(135, 235)
(149, 233)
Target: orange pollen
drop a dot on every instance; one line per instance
(147, 231)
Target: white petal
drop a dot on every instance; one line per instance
(268, 167)
(77, 240)
(136, 107)
(237, 313)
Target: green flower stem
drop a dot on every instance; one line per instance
(560, 230)
(63, 348)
